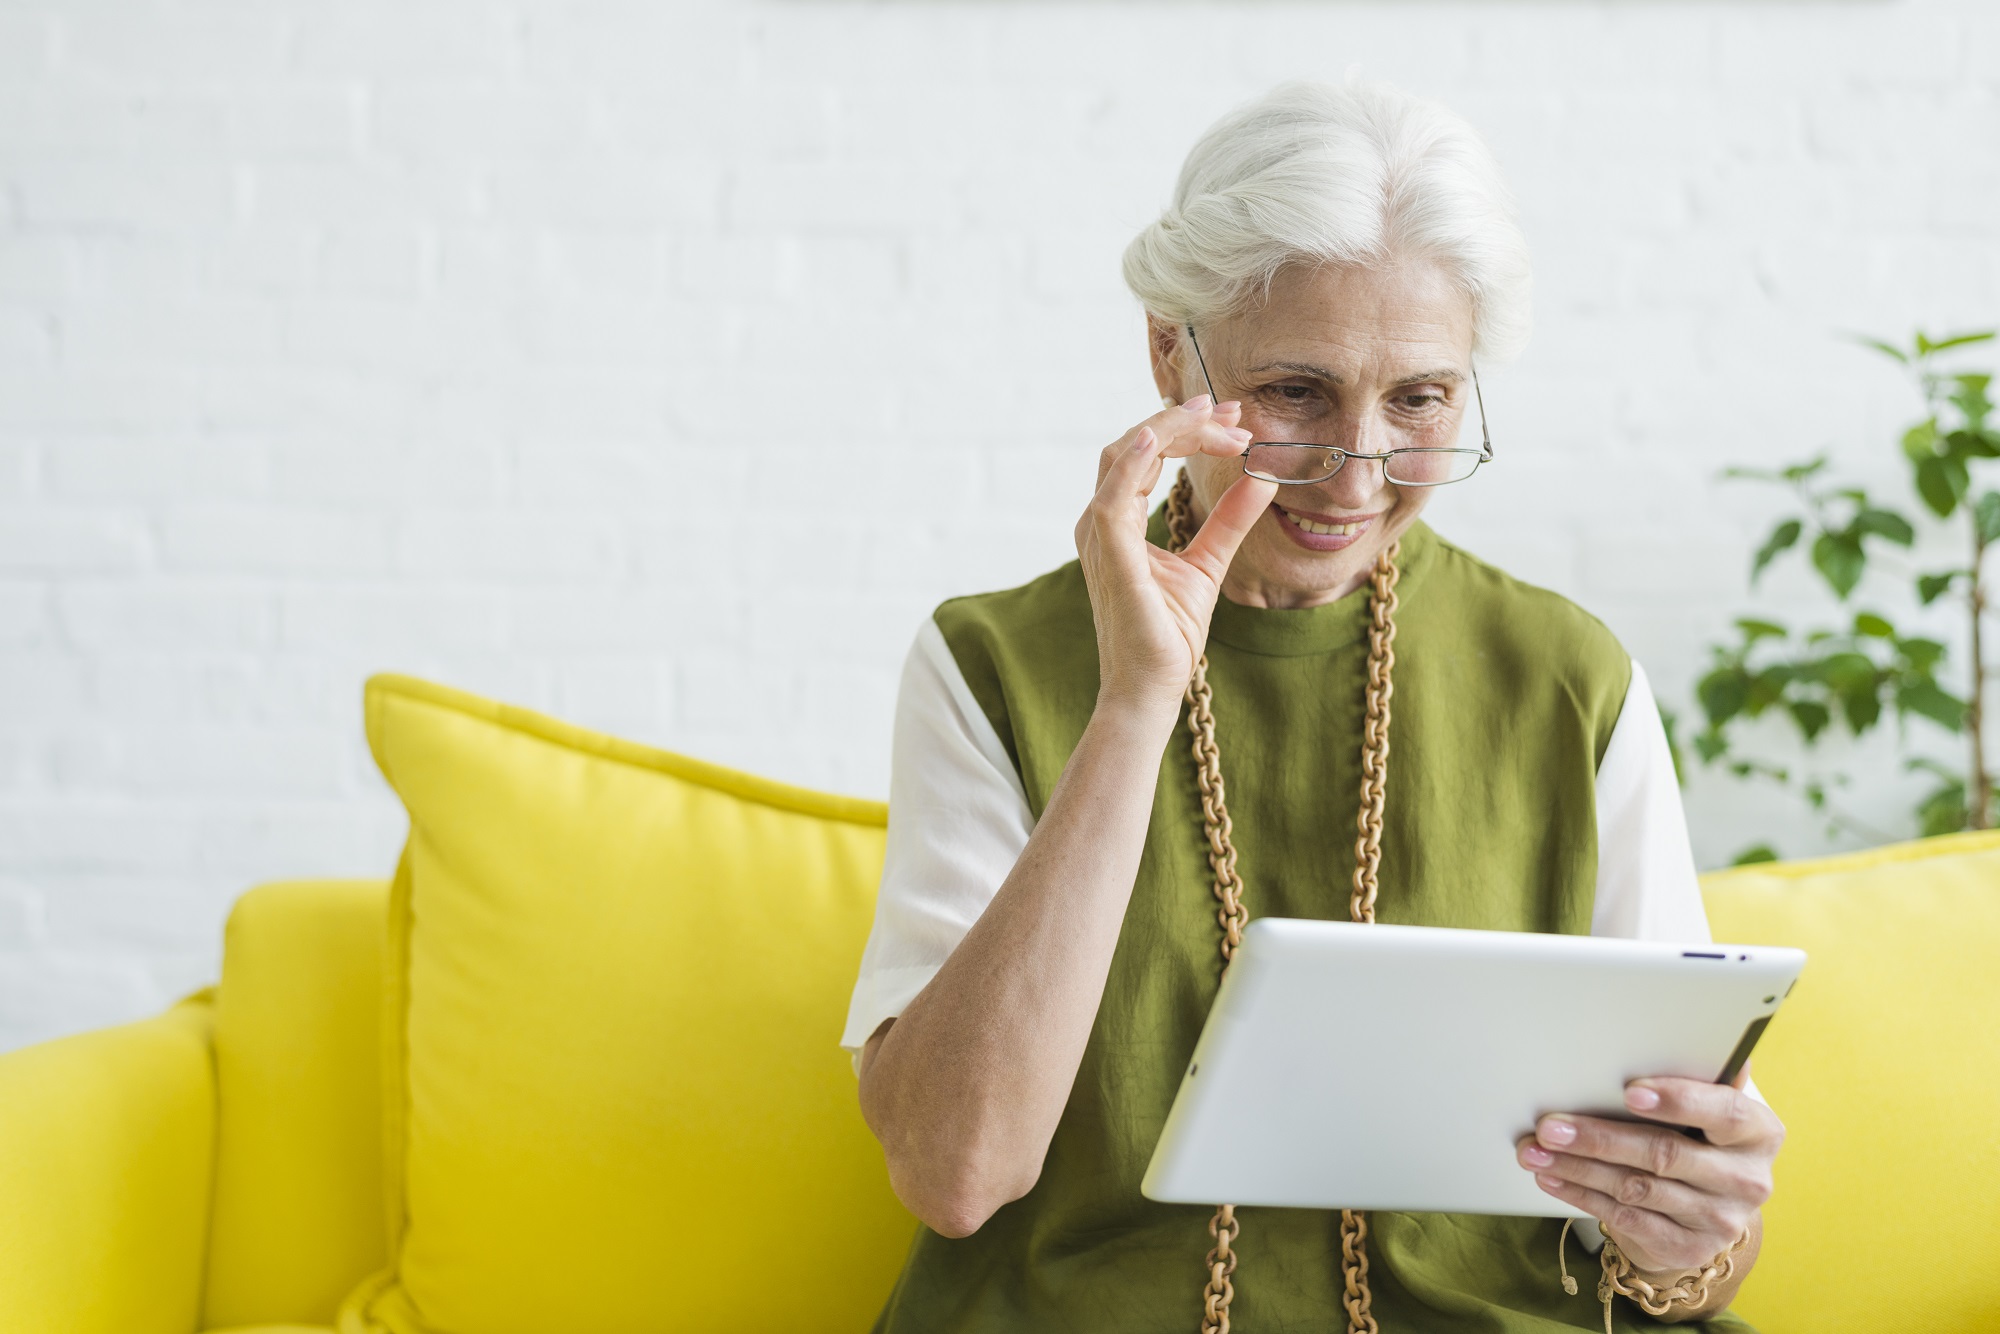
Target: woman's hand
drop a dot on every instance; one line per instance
(1669, 1200)
(1152, 607)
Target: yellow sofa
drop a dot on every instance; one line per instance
(221, 1166)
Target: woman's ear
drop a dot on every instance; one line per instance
(1163, 344)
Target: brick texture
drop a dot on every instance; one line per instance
(662, 365)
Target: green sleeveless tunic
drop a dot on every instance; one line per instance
(1506, 696)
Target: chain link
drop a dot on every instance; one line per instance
(1232, 916)
(1689, 1290)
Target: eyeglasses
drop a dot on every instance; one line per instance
(1290, 464)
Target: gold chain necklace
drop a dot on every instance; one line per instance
(1692, 1288)
(1233, 916)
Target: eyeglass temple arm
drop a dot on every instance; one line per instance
(1485, 439)
(1202, 362)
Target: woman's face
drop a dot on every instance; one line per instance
(1369, 359)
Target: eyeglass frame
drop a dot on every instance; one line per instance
(1485, 450)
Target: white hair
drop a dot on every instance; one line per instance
(1357, 173)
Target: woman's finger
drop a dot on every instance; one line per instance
(1130, 469)
(1663, 1243)
(1193, 427)
(1234, 515)
(1200, 427)
(1226, 442)
(1683, 1203)
(1722, 1112)
(1114, 525)
(1655, 1149)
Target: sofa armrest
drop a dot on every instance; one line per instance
(107, 1143)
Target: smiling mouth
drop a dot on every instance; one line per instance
(1324, 527)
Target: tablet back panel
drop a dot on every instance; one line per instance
(1395, 1067)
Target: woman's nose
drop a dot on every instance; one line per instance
(1359, 480)
(1358, 483)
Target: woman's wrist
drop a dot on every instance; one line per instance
(1714, 1295)
(1139, 723)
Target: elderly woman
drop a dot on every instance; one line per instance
(1335, 265)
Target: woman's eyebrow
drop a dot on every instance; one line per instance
(1307, 368)
(1445, 376)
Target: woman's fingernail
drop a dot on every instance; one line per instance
(1641, 1099)
(1538, 1156)
(1230, 406)
(1144, 440)
(1552, 1183)
(1197, 403)
(1556, 1131)
(1239, 435)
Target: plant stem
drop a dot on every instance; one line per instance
(1982, 783)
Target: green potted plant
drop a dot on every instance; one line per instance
(1859, 670)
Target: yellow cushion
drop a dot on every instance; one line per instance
(1882, 1066)
(297, 1214)
(615, 1097)
(105, 1142)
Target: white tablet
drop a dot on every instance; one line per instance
(1396, 1067)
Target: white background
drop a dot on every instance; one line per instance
(661, 365)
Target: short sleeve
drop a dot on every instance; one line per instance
(958, 821)
(1647, 888)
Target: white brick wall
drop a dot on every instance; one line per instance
(447, 336)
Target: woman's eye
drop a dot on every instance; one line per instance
(1291, 393)
(1423, 402)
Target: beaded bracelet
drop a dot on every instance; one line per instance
(1690, 1288)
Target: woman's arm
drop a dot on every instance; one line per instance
(966, 1086)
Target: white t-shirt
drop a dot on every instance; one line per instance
(959, 819)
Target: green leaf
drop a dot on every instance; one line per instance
(1754, 630)
(1942, 482)
(1763, 852)
(1887, 525)
(1925, 346)
(1920, 441)
(1886, 349)
(1986, 517)
(1860, 705)
(1841, 670)
(1722, 694)
(1768, 687)
(1974, 443)
(1782, 537)
(1710, 745)
(1944, 810)
(1793, 473)
(1931, 587)
(1812, 718)
(1839, 559)
(1971, 398)
(1920, 655)
(1873, 626)
(1928, 699)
